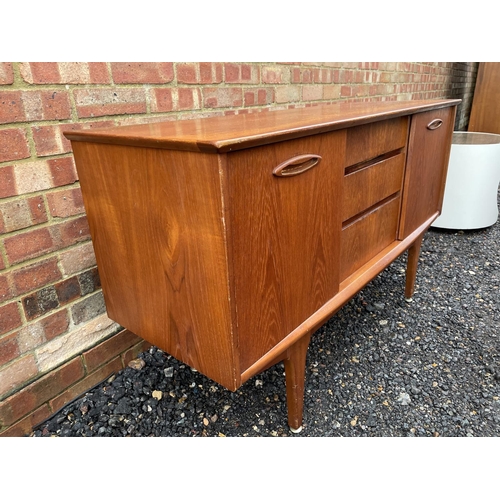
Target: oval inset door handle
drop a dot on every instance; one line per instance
(296, 165)
(434, 124)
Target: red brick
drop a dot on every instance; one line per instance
(24, 427)
(232, 73)
(40, 72)
(275, 74)
(241, 73)
(82, 72)
(17, 373)
(9, 348)
(55, 106)
(323, 76)
(142, 72)
(345, 91)
(55, 324)
(96, 377)
(296, 76)
(77, 259)
(39, 392)
(29, 245)
(9, 317)
(40, 302)
(162, 102)
(73, 231)
(15, 215)
(37, 209)
(13, 144)
(7, 182)
(5, 289)
(109, 349)
(176, 99)
(210, 72)
(35, 276)
(102, 102)
(50, 140)
(98, 72)
(22, 213)
(66, 203)
(2, 263)
(68, 290)
(40, 331)
(134, 351)
(187, 73)
(66, 72)
(307, 76)
(6, 73)
(63, 171)
(188, 98)
(346, 76)
(260, 96)
(46, 105)
(11, 107)
(216, 97)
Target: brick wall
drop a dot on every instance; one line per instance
(56, 340)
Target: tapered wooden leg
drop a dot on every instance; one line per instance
(295, 372)
(411, 268)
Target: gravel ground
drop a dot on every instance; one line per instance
(380, 367)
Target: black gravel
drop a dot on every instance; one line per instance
(380, 367)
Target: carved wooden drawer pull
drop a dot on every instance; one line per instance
(434, 124)
(296, 165)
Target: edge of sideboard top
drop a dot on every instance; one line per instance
(221, 134)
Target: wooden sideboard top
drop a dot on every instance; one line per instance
(222, 134)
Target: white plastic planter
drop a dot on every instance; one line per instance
(470, 196)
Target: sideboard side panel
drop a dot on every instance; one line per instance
(157, 226)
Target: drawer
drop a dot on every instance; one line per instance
(374, 139)
(368, 235)
(364, 187)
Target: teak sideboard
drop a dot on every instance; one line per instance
(227, 241)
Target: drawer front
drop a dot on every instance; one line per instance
(369, 185)
(367, 236)
(374, 139)
(284, 228)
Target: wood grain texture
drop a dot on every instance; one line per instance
(285, 238)
(348, 289)
(426, 168)
(369, 141)
(485, 111)
(230, 133)
(368, 236)
(371, 184)
(156, 223)
(411, 267)
(230, 268)
(295, 372)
